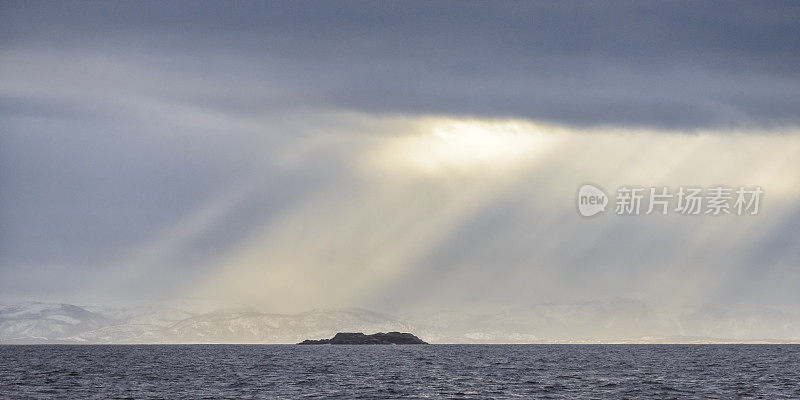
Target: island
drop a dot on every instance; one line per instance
(375, 338)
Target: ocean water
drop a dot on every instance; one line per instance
(390, 372)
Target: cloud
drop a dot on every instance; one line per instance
(668, 64)
(394, 157)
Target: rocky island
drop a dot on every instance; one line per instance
(376, 338)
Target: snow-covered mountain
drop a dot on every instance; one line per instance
(65, 323)
(613, 320)
(617, 320)
(40, 322)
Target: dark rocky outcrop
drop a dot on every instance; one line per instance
(376, 338)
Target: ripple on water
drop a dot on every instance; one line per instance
(451, 371)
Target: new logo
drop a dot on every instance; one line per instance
(591, 200)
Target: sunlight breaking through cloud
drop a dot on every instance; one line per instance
(434, 211)
(444, 145)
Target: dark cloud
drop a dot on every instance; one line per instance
(667, 64)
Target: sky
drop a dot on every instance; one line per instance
(395, 156)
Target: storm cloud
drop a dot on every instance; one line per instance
(667, 64)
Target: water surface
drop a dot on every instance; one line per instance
(387, 372)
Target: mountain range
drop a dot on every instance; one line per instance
(606, 321)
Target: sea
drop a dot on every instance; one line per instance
(400, 372)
